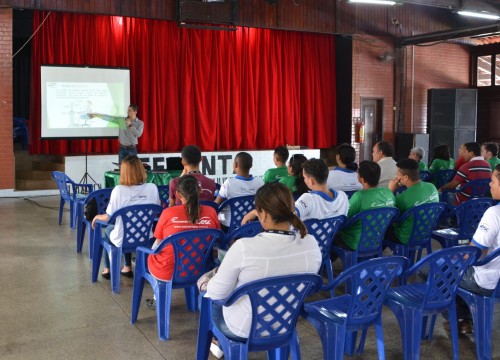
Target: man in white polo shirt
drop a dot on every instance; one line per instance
(382, 154)
(483, 279)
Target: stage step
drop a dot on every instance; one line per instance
(35, 184)
(33, 175)
(34, 172)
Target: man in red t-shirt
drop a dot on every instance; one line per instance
(475, 167)
(191, 159)
(173, 220)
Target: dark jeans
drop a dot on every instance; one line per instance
(123, 151)
(469, 283)
(127, 256)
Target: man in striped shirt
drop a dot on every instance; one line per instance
(475, 167)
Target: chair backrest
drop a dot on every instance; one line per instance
(324, 232)
(425, 175)
(276, 303)
(248, 230)
(443, 177)
(425, 218)
(350, 193)
(368, 283)
(137, 221)
(445, 270)
(476, 188)
(212, 204)
(164, 193)
(101, 197)
(374, 224)
(193, 252)
(487, 259)
(62, 181)
(469, 214)
(238, 207)
(400, 190)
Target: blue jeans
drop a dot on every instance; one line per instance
(469, 283)
(127, 256)
(123, 151)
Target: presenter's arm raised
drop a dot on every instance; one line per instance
(115, 119)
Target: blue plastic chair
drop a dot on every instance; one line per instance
(250, 229)
(468, 215)
(324, 232)
(193, 256)
(472, 189)
(425, 218)
(481, 308)
(69, 192)
(400, 190)
(338, 319)
(276, 303)
(212, 204)
(374, 224)
(137, 221)
(425, 175)
(413, 303)
(238, 207)
(101, 197)
(442, 177)
(164, 193)
(350, 193)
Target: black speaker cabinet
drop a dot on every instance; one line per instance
(452, 107)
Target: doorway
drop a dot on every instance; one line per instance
(371, 114)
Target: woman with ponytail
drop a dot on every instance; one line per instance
(187, 216)
(283, 248)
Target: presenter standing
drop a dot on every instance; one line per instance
(130, 130)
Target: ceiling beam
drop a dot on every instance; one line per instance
(477, 5)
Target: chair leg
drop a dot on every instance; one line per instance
(72, 214)
(204, 330)
(332, 338)
(80, 235)
(91, 236)
(452, 316)
(294, 347)
(350, 342)
(191, 298)
(61, 208)
(96, 259)
(115, 257)
(278, 353)
(379, 332)
(482, 316)
(136, 296)
(162, 294)
(410, 324)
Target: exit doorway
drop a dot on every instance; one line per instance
(371, 114)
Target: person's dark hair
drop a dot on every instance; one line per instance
(317, 169)
(386, 148)
(491, 147)
(281, 153)
(348, 156)
(277, 200)
(296, 162)
(410, 168)
(134, 107)
(189, 187)
(369, 171)
(441, 152)
(473, 147)
(244, 160)
(191, 154)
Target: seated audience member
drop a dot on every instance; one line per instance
(320, 202)
(474, 168)
(417, 193)
(133, 190)
(295, 179)
(417, 154)
(242, 184)
(191, 159)
(489, 151)
(277, 251)
(370, 197)
(382, 155)
(330, 157)
(280, 157)
(188, 216)
(482, 280)
(441, 159)
(460, 160)
(344, 177)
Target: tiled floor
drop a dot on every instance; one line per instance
(49, 308)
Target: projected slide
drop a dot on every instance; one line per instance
(69, 94)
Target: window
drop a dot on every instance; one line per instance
(484, 68)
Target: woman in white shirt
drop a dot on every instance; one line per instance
(276, 251)
(133, 190)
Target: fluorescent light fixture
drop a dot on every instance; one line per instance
(377, 2)
(481, 15)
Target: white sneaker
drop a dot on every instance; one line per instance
(216, 351)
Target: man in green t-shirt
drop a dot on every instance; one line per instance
(417, 193)
(489, 151)
(368, 198)
(275, 174)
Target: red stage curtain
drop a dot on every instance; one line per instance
(222, 90)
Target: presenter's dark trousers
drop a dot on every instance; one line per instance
(126, 150)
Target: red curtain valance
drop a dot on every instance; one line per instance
(244, 89)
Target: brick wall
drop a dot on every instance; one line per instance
(7, 167)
